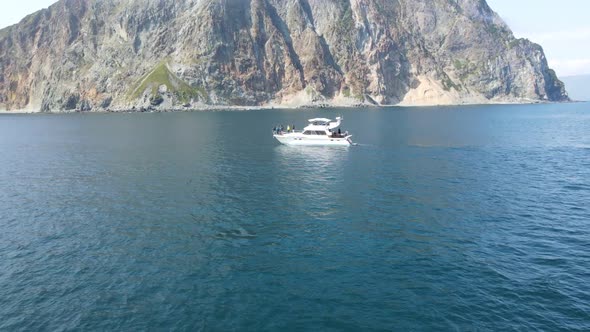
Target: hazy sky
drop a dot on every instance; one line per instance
(14, 10)
(561, 27)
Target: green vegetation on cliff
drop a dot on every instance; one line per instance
(161, 75)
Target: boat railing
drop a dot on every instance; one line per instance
(282, 132)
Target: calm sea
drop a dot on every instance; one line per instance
(453, 218)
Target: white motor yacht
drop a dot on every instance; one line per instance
(320, 131)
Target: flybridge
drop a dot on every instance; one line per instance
(320, 120)
(319, 123)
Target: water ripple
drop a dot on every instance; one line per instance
(201, 221)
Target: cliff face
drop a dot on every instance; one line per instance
(99, 54)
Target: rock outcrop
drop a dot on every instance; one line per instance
(123, 54)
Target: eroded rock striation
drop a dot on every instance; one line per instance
(123, 54)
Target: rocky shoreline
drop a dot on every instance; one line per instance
(221, 108)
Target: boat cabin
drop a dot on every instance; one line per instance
(323, 127)
(319, 124)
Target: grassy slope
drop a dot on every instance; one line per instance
(161, 75)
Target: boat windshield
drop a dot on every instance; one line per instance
(314, 132)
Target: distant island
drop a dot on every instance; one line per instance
(93, 55)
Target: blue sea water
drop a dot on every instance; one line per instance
(451, 218)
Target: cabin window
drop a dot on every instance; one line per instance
(307, 132)
(323, 133)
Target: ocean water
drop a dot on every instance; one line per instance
(452, 218)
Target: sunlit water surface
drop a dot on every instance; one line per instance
(468, 218)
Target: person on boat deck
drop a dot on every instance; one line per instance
(288, 128)
(339, 132)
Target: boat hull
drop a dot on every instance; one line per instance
(301, 140)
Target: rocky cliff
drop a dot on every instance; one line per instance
(118, 54)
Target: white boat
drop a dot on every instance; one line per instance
(319, 132)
